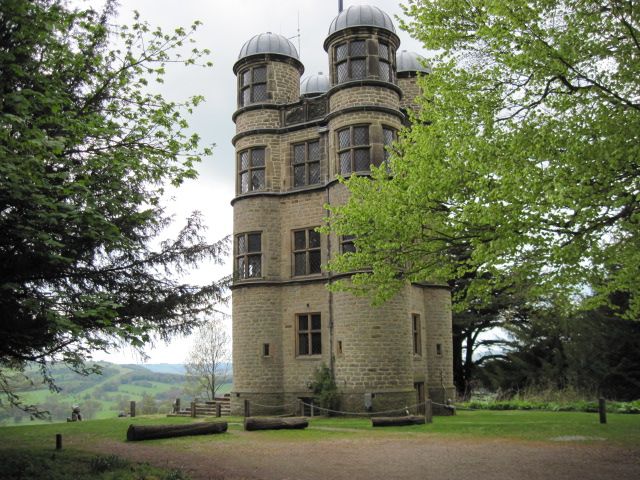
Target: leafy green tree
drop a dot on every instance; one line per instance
(86, 152)
(524, 154)
(591, 352)
(148, 405)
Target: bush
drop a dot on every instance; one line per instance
(325, 389)
(576, 406)
(107, 463)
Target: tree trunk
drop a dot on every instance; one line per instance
(397, 421)
(261, 423)
(148, 432)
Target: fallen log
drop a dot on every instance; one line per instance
(396, 421)
(271, 423)
(149, 432)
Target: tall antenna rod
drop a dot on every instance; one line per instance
(340, 6)
(297, 36)
(299, 49)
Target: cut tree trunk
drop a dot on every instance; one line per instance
(270, 423)
(396, 421)
(149, 432)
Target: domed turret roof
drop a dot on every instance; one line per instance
(315, 85)
(411, 62)
(268, 43)
(361, 16)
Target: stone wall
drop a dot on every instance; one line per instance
(363, 96)
(370, 349)
(410, 91)
(283, 82)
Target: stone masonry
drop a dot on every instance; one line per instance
(286, 323)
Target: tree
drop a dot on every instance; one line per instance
(148, 404)
(592, 352)
(525, 154)
(208, 362)
(86, 151)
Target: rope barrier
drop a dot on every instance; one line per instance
(274, 406)
(405, 409)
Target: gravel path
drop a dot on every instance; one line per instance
(393, 457)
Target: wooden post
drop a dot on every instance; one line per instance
(247, 408)
(428, 411)
(193, 409)
(132, 408)
(602, 409)
(312, 409)
(177, 406)
(300, 411)
(218, 409)
(58, 441)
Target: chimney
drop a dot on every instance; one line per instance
(339, 6)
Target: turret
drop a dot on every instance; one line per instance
(268, 71)
(362, 44)
(409, 66)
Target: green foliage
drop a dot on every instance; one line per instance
(325, 389)
(75, 465)
(525, 155)
(105, 463)
(148, 405)
(577, 406)
(593, 351)
(86, 151)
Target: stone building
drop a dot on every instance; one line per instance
(292, 140)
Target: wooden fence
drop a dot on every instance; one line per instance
(221, 406)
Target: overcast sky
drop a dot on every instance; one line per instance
(227, 25)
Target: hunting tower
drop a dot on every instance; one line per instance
(292, 139)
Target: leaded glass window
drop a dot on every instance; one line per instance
(385, 58)
(354, 151)
(388, 137)
(306, 163)
(351, 61)
(253, 86)
(251, 165)
(248, 256)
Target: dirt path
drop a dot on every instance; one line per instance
(394, 457)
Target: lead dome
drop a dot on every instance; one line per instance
(268, 43)
(410, 62)
(315, 85)
(361, 16)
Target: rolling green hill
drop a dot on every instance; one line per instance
(105, 395)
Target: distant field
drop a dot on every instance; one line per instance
(105, 395)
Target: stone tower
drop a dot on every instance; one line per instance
(291, 141)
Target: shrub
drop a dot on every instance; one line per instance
(325, 389)
(107, 463)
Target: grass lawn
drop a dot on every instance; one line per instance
(34, 444)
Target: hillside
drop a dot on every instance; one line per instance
(105, 395)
